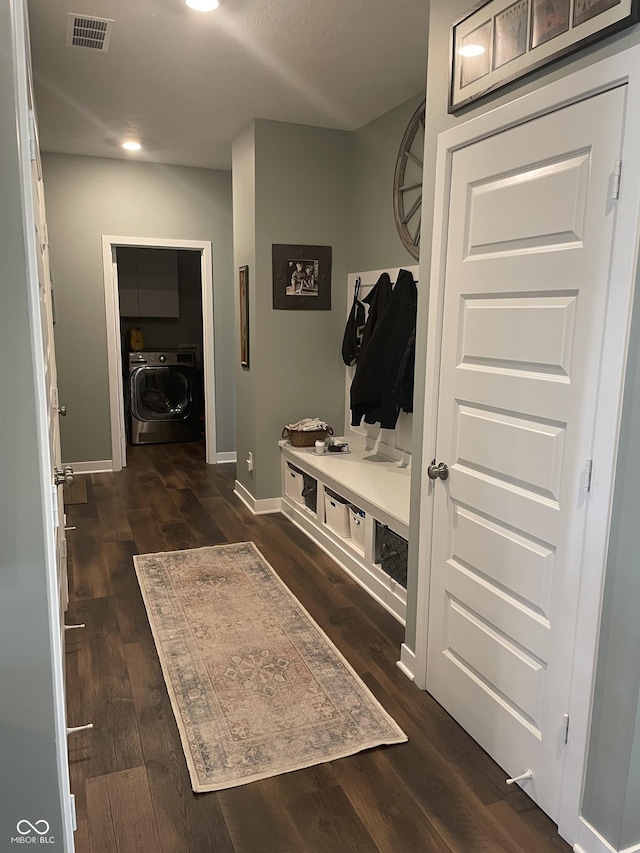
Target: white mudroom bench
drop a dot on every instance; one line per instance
(376, 485)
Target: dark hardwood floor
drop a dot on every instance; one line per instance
(439, 792)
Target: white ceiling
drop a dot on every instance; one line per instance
(187, 82)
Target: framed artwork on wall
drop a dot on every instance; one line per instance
(301, 277)
(499, 41)
(243, 285)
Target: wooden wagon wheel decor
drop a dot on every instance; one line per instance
(407, 184)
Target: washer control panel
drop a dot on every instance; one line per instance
(156, 358)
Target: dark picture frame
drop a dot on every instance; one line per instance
(520, 36)
(243, 292)
(301, 277)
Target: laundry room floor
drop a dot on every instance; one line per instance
(439, 792)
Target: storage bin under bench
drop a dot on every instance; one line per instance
(359, 514)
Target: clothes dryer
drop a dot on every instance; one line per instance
(162, 396)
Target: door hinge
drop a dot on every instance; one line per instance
(32, 135)
(74, 819)
(45, 235)
(56, 516)
(617, 177)
(588, 470)
(566, 728)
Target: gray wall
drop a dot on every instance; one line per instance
(244, 253)
(375, 243)
(610, 771)
(613, 771)
(302, 196)
(90, 197)
(29, 787)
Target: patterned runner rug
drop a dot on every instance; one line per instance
(256, 686)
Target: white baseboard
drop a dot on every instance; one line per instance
(226, 456)
(407, 662)
(257, 507)
(101, 466)
(590, 841)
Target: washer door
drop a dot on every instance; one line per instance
(161, 393)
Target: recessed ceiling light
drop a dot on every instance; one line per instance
(203, 5)
(132, 146)
(471, 50)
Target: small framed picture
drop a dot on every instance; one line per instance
(243, 288)
(548, 20)
(510, 34)
(301, 277)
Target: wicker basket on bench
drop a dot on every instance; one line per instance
(305, 438)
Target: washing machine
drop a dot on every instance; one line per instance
(162, 396)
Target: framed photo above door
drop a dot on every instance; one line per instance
(499, 41)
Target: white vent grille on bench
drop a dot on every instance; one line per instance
(85, 31)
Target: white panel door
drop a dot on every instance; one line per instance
(51, 377)
(527, 268)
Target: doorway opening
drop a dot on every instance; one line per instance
(159, 309)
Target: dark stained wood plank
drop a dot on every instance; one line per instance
(394, 821)
(146, 531)
(109, 501)
(205, 530)
(99, 819)
(81, 836)
(162, 503)
(90, 575)
(177, 535)
(169, 469)
(288, 786)
(106, 699)
(257, 823)
(237, 522)
(327, 822)
(186, 821)
(527, 824)
(132, 816)
(130, 609)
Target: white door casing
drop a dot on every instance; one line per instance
(44, 364)
(114, 358)
(497, 357)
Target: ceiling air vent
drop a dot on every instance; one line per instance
(85, 31)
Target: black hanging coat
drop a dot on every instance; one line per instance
(377, 299)
(374, 387)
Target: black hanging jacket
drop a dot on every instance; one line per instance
(374, 386)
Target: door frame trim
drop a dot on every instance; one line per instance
(112, 310)
(609, 73)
